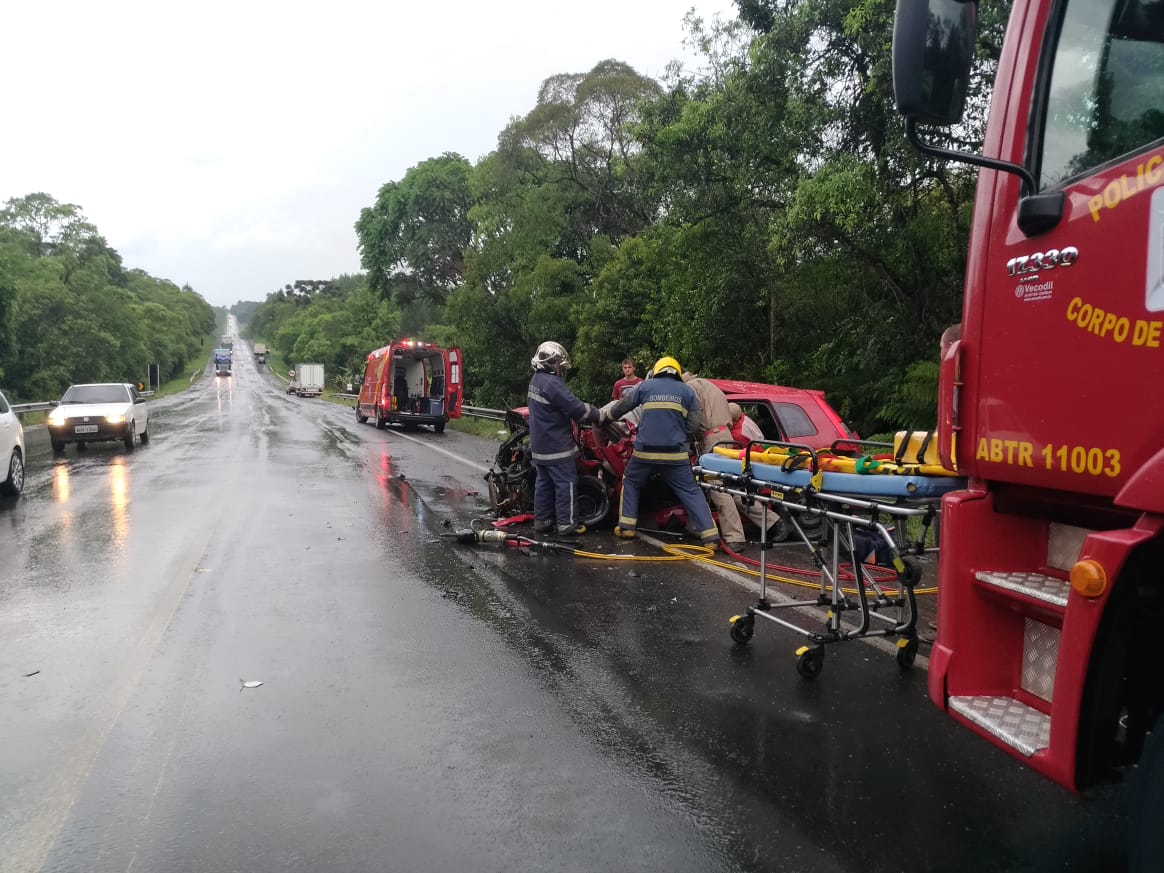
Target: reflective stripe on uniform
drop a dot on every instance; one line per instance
(556, 456)
(627, 523)
(709, 535)
(659, 404)
(540, 398)
(660, 456)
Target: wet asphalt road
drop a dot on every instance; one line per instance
(430, 707)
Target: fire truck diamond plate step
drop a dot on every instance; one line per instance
(1035, 585)
(1019, 726)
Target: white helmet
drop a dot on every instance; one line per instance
(550, 357)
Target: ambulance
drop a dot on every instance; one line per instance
(411, 382)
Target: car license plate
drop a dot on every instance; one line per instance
(85, 428)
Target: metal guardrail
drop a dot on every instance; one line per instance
(21, 408)
(482, 412)
(471, 411)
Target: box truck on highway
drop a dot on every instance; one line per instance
(307, 380)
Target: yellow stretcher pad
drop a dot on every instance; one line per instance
(791, 459)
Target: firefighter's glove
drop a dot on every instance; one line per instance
(603, 416)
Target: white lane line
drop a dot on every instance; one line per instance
(453, 455)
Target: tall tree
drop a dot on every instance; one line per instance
(579, 139)
(48, 223)
(562, 187)
(419, 227)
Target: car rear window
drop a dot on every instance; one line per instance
(3, 403)
(759, 414)
(794, 421)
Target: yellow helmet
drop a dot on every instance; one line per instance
(666, 366)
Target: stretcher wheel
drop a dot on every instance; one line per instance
(911, 572)
(809, 662)
(743, 626)
(906, 651)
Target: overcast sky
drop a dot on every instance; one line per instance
(231, 145)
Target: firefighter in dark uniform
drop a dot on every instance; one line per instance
(553, 409)
(670, 416)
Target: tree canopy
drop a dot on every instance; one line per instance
(71, 312)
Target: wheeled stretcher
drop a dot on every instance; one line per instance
(856, 509)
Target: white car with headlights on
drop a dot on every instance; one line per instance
(102, 412)
(11, 451)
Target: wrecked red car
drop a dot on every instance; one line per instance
(794, 415)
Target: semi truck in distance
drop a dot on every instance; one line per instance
(306, 380)
(260, 351)
(222, 362)
(1051, 572)
(411, 382)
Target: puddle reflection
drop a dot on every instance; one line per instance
(390, 490)
(61, 488)
(118, 483)
(223, 395)
(119, 501)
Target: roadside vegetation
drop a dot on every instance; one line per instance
(196, 367)
(760, 217)
(482, 427)
(70, 311)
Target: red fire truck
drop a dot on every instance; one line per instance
(1051, 575)
(411, 382)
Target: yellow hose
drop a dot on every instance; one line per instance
(674, 553)
(682, 552)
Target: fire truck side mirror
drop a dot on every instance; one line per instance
(933, 51)
(1039, 213)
